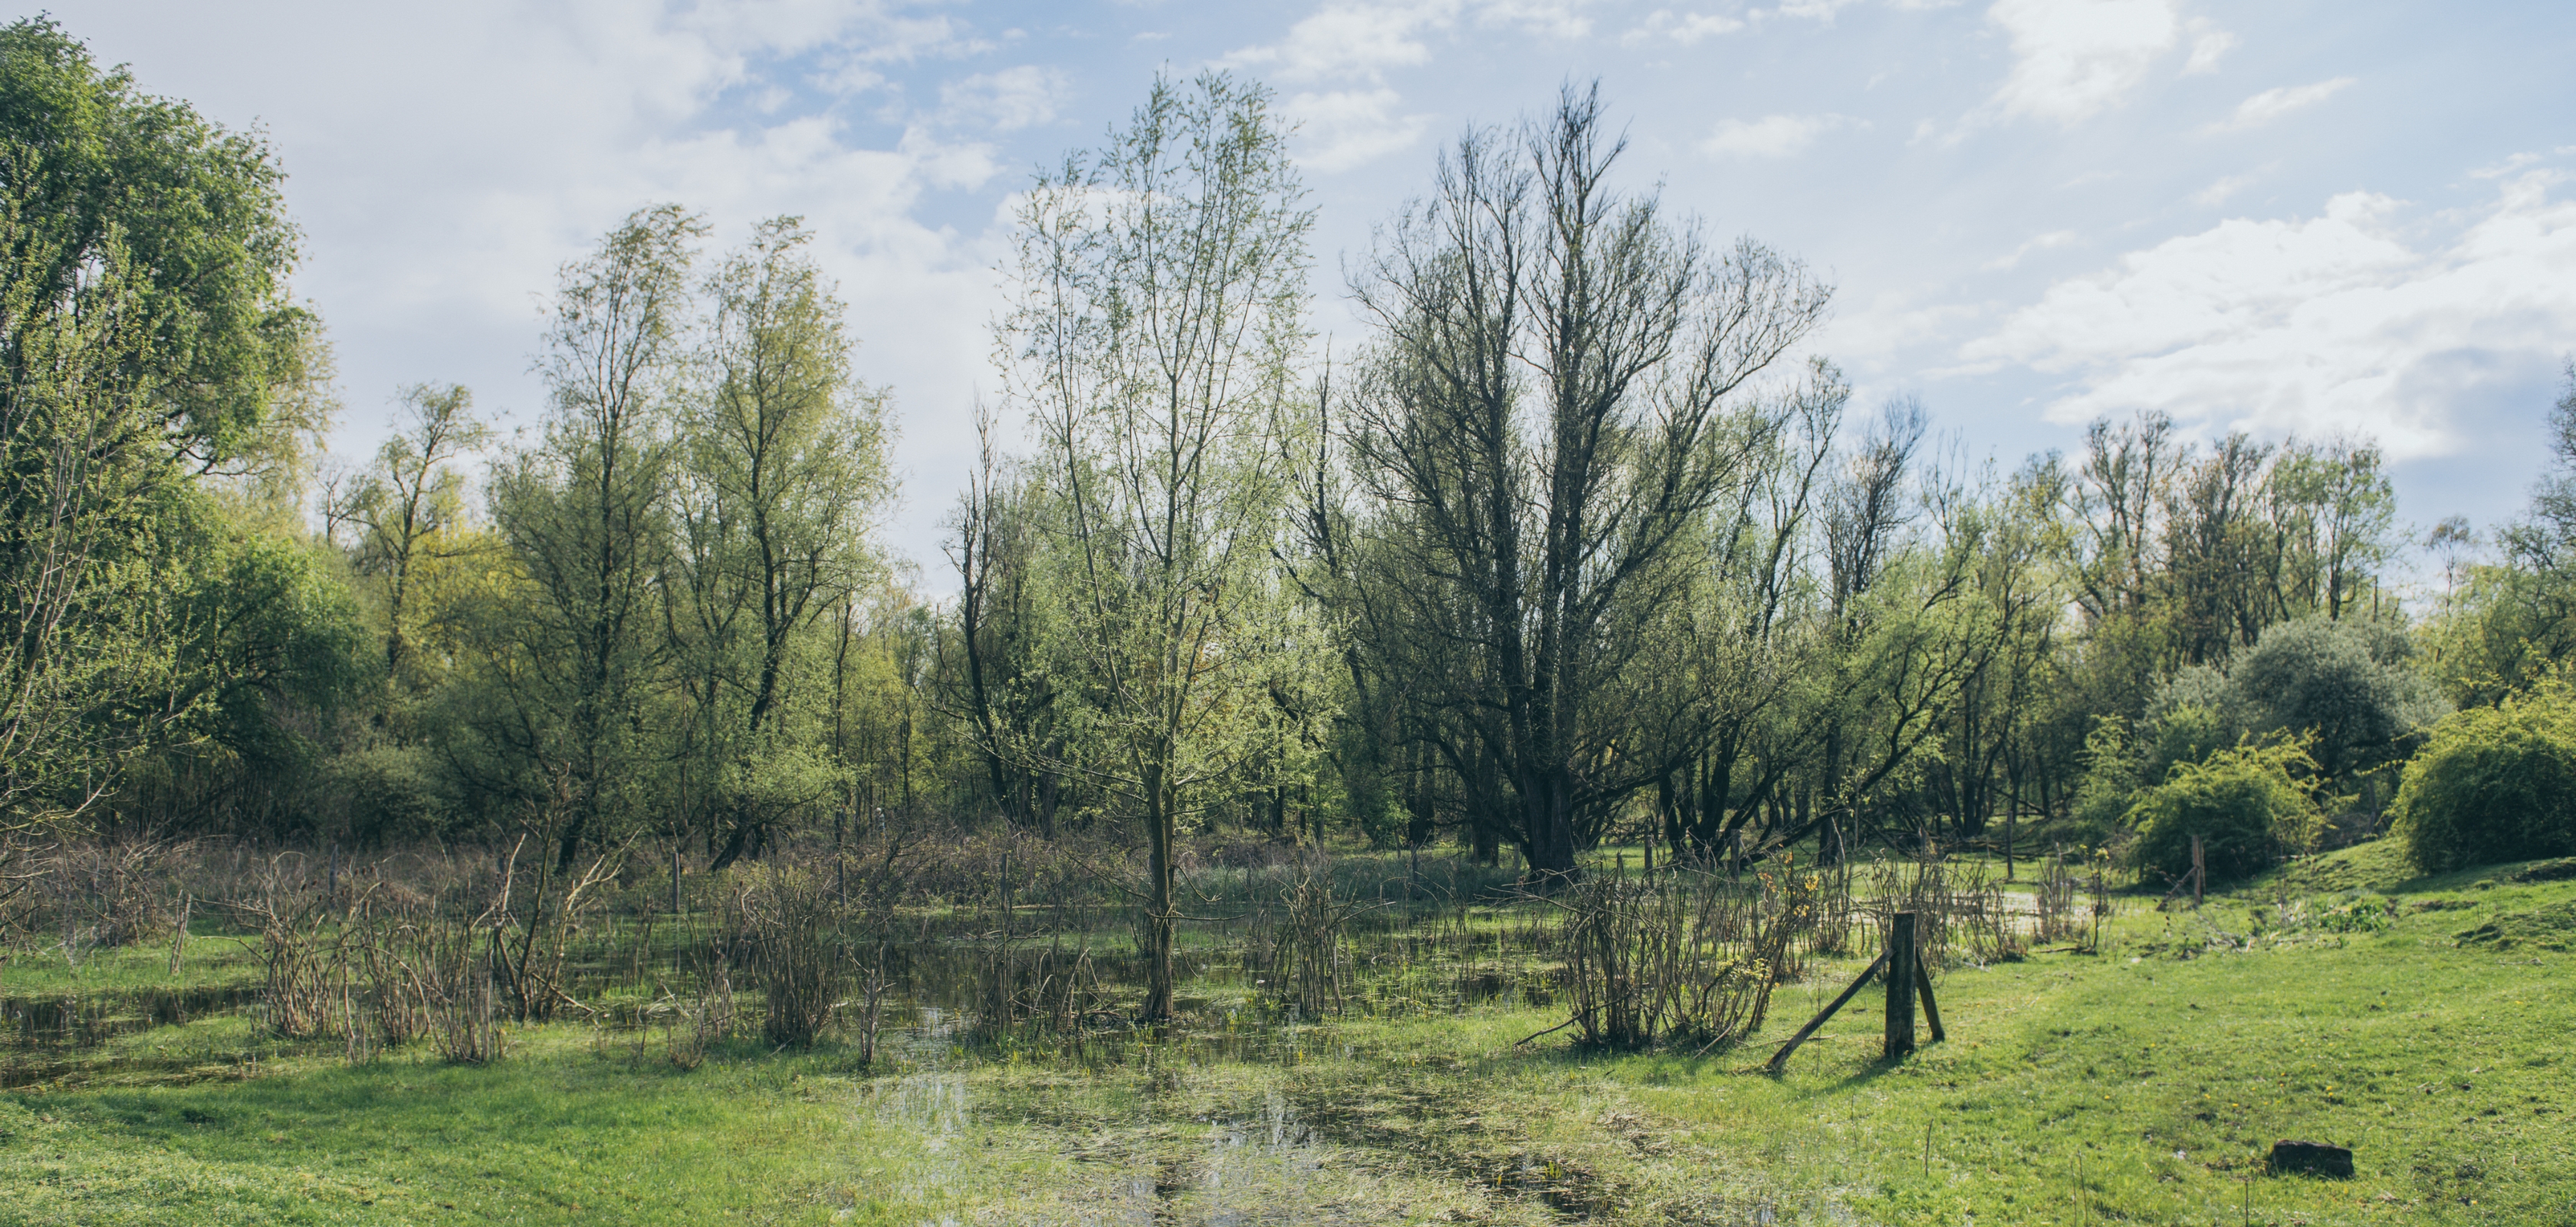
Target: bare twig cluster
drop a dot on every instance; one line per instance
(1682, 955)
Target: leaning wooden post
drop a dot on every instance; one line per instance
(1780, 1059)
(1900, 987)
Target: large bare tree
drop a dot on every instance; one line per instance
(1551, 415)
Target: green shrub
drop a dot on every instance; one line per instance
(2349, 686)
(2249, 805)
(2493, 784)
(2110, 776)
(2188, 733)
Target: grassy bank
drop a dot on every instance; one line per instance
(2337, 1002)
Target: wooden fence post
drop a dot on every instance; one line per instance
(2199, 872)
(1901, 955)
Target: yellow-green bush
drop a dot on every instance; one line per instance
(2250, 805)
(2493, 784)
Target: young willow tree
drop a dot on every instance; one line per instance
(781, 476)
(410, 505)
(1551, 424)
(1161, 295)
(584, 511)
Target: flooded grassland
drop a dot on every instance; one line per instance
(1396, 1073)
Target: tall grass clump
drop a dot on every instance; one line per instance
(1307, 957)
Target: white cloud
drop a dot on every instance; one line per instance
(2217, 194)
(1812, 10)
(1664, 27)
(1005, 101)
(2074, 58)
(1359, 40)
(1354, 44)
(1772, 136)
(1350, 39)
(1561, 20)
(2272, 104)
(2508, 166)
(2330, 324)
(438, 203)
(1340, 129)
(2046, 242)
(2208, 45)
(1876, 337)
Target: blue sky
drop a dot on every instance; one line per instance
(2277, 215)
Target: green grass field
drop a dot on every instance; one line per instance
(2335, 1001)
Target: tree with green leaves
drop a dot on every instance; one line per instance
(146, 336)
(585, 511)
(1159, 313)
(781, 472)
(408, 506)
(196, 219)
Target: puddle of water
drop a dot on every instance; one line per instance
(1081, 989)
(56, 1021)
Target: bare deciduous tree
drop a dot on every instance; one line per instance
(1552, 412)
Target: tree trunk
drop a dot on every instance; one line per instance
(1158, 906)
(1550, 837)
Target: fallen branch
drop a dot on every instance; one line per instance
(1550, 1031)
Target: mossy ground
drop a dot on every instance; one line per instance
(2336, 1001)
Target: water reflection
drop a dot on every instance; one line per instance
(1070, 994)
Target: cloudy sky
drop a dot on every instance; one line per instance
(2286, 216)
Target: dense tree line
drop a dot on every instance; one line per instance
(1582, 542)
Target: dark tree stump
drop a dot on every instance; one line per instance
(2313, 1158)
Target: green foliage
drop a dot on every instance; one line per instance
(146, 340)
(2348, 687)
(194, 215)
(2348, 684)
(578, 667)
(2181, 735)
(2249, 805)
(1160, 314)
(393, 794)
(781, 470)
(2102, 793)
(2493, 784)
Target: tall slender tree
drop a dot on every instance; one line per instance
(782, 475)
(584, 510)
(410, 499)
(1161, 295)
